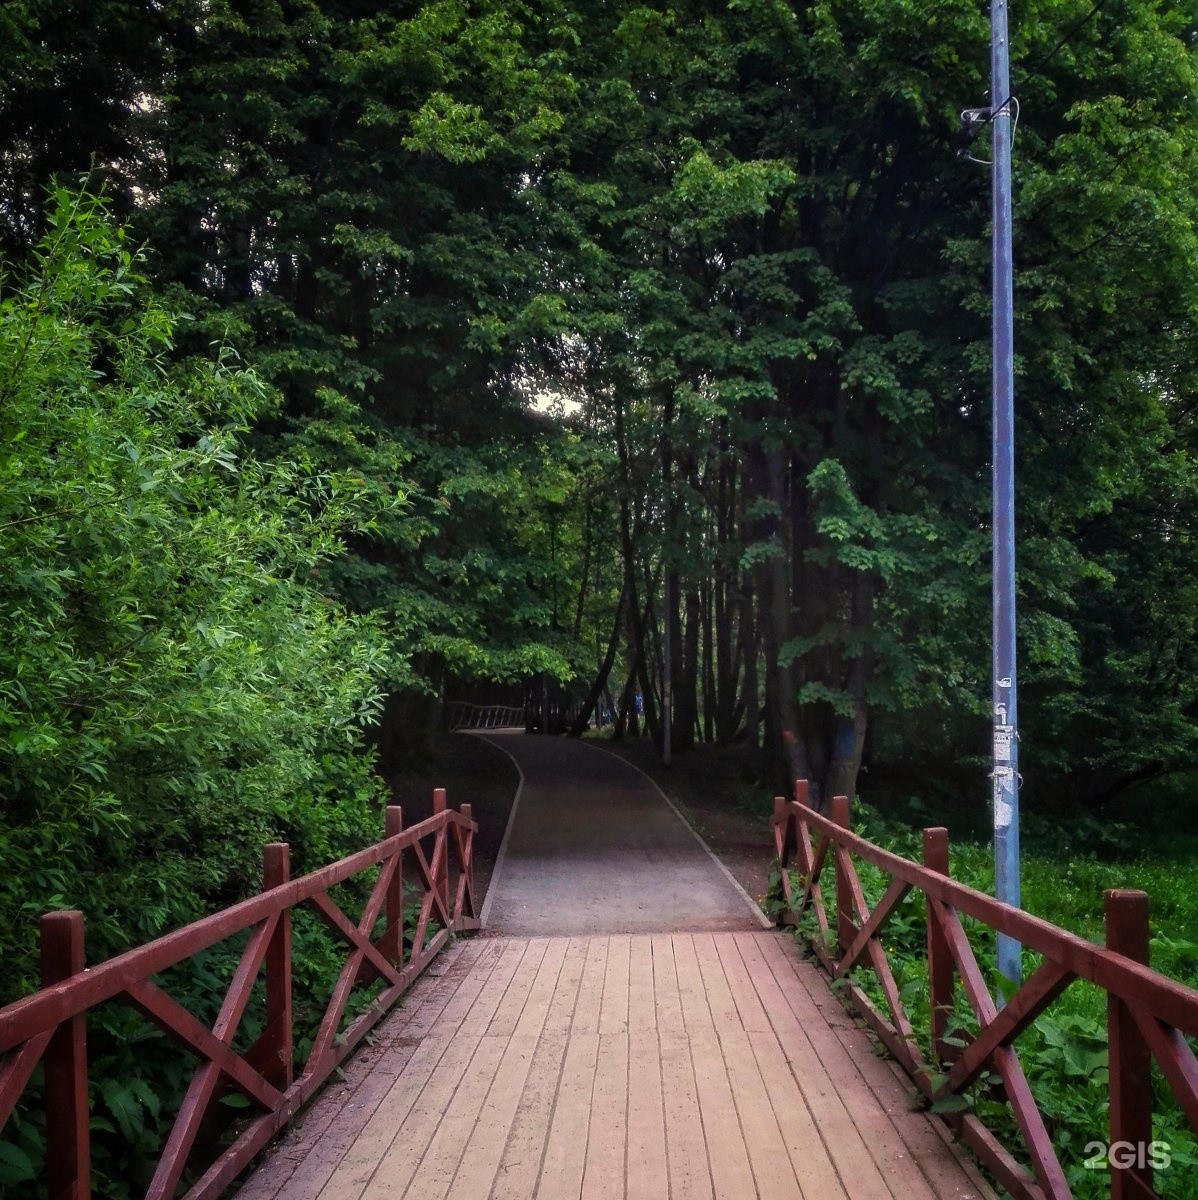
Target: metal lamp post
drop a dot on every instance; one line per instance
(1005, 697)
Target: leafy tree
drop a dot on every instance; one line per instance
(743, 235)
(359, 219)
(173, 689)
(75, 78)
(786, 316)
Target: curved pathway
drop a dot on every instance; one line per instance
(594, 847)
(670, 1047)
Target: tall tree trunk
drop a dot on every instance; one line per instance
(849, 742)
(686, 696)
(649, 639)
(588, 542)
(626, 718)
(786, 743)
(707, 596)
(599, 686)
(752, 685)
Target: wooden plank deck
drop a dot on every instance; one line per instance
(655, 1066)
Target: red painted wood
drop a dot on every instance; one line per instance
(391, 943)
(464, 904)
(68, 1144)
(866, 942)
(16, 1069)
(1048, 982)
(813, 892)
(278, 1040)
(30, 1028)
(179, 1143)
(1009, 1173)
(1049, 1173)
(170, 1016)
(1048, 1170)
(970, 973)
(895, 894)
(1127, 1052)
(940, 963)
(784, 846)
(1173, 1002)
(890, 989)
(1159, 1012)
(1175, 1059)
(441, 856)
(340, 923)
(845, 928)
(50, 1006)
(431, 881)
(902, 1051)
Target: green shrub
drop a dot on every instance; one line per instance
(174, 689)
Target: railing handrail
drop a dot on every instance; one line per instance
(50, 1006)
(1148, 1014)
(464, 714)
(50, 1025)
(1169, 999)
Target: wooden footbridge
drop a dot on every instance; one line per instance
(709, 1059)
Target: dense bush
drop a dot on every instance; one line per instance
(174, 689)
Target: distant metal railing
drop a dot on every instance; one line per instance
(460, 715)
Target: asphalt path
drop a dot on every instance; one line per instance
(594, 847)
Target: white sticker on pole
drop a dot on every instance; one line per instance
(1002, 743)
(1004, 783)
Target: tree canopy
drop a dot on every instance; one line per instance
(739, 243)
(354, 356)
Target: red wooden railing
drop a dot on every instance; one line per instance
(1149, 1016)
(49, 1026)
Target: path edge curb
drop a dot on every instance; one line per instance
(501, 853)
(762, 919)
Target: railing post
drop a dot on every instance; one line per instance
(786, 843)
(940, 962)
(798, 827)
(279, 1041)
(845, 930)
(466, 860)
(1128, 1057)
(68, 1148)
(392, 943)
(442, 864)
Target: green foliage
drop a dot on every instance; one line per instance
(739, 233)
(173, 689)
(1064, 1052)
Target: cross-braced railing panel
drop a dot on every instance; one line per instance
(49, 1026)
(462, 715)
(1150, 1017)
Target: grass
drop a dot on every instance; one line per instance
(1064, 877)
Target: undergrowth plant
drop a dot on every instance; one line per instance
(1064, 1052)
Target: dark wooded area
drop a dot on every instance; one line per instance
(413, 350)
